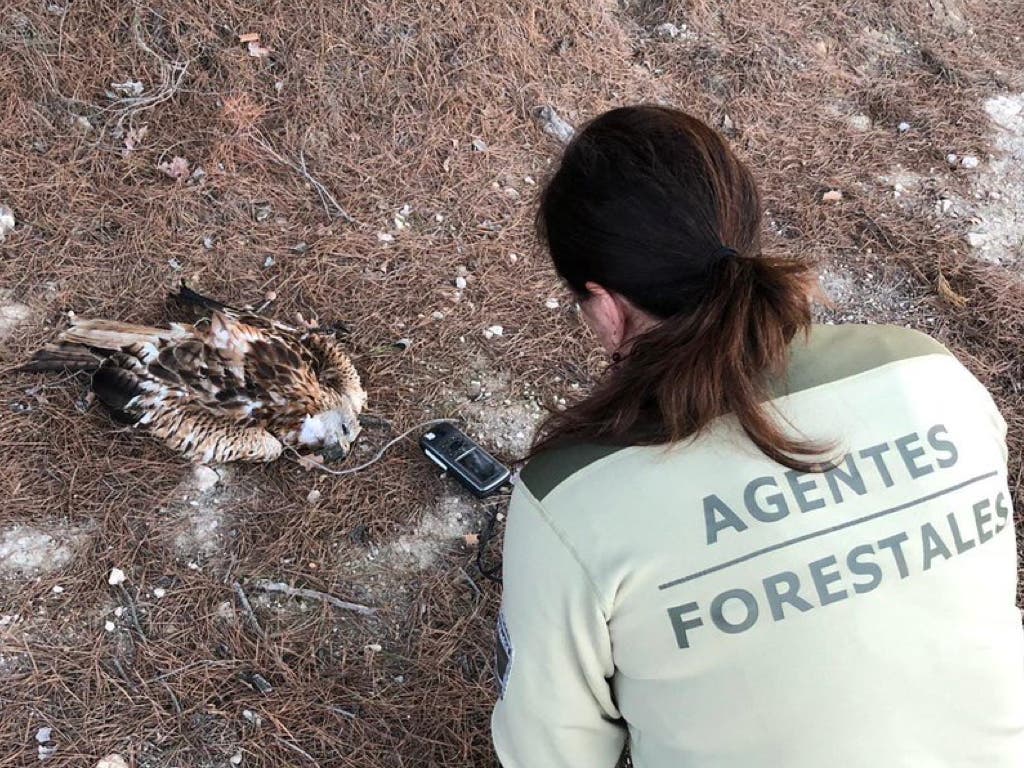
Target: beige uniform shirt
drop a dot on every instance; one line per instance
(725, 612)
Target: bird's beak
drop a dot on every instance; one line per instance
(336, 452)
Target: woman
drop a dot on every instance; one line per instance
(758, 542)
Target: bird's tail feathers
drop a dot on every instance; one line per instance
(62, 357)
(111, 335)
(194, 299)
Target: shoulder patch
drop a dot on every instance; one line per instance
(550, 469)
(504, 655)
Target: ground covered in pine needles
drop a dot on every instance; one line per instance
(377, 163)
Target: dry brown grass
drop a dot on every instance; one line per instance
(382, 101)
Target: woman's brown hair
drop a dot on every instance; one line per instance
(652, 204)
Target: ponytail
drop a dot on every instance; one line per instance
(692, 368)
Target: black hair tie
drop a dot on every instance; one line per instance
(723, 253)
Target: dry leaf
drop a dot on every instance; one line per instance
(257, 51)
(832, 196)
(945, 290)
(177, 169)
(311, 461)
(472, 539)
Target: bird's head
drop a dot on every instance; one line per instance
(331, 433)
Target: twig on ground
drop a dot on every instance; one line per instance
(133, 610)
(243, 599)
(296, 748)
(300, 168)
(313, 594)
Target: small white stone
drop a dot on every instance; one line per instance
(496, 330)
(529, 180)
(236, 759)
(385, 237)
(976, 239)
(57, 589)
(159, 592)
(437, 315)
(513, 257)
(438, 217)
(945, 205)
(460, 283)
(109, 626)
(204, 478)
(952, 159)
(859, 122)
(119, 611)
(666, 31)
(208, 242)
(116, 577)
(479, 145)
(43, 735)
(6, 221)
(373, 648)
(112, 761)
(551, 304)
(970, 161)
(313, 496)
(903, 127)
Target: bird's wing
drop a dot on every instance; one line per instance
(334, 368)
(147, 396)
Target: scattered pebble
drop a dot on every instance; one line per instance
(944, 205)
(177, 168)
(46, 749)
(511, 193)
(236, 759)
(57, 589)
(116, 577)
(385, 237)
(666, 31)
(174, 264)
(373, 648)
(976, 239)
(437, 315)
(551, 304)
(952, 159)
(513, 257)
(970, 161)
(262, 211)
(112, 761)
(119, 611)
(252, 717)
(529, 180)
(494, 330)
(268, 262)
(552, 124)
(438, 217)
(460, 283)
(204, 478)
(313, 496)
(299, 248)
(129, 88)
(159, 592)
(859, 122)
(903, 127)
(832, 196)
(6, 221)
(109, 626)
(479, 145)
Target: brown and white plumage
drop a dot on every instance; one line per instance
(235, 386)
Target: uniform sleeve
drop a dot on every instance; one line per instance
(554, 654)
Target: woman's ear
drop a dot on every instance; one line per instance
(606, 315)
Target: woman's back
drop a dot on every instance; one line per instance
(737, 613)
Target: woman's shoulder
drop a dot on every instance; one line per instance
(834, 352)
(550, 468)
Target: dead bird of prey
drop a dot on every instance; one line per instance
(233, 386)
